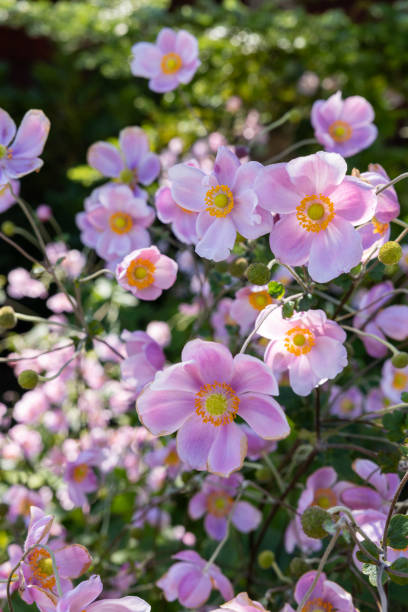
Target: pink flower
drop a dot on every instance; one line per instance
(183, 221)
(59, 302)
(308, 345)
(20, 157)
(344, 126)
(323, 490)
(172, 60)
(394, 381)
(82, 598)
(114, 222)
(14, 553)
(346, 405)
(191, 583)
(144, 358)
(248, 303)
(36, 573)
(146, 272)
(20, 499)
(131, 164)
(201, 397)
(44, 212)
(22, 285)
(220, 318)
(81, 478)
(378, 496)
(241, 603)
(216, 502)
(225, 200)
(326, 595)
(319, 207)
(391, 321)
(6, 197)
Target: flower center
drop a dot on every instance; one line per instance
(219, 201)
(346, 405)
(379, 228)
(3, 151)
(340, 131)
(315, 212)
(140, 273)
(318, 605)
(217, 404)
(41, 567)
(120, 223)
(259, 299)
(24, 507)
(172, 458)
(171, 63)
(399, 381)
(219, 503)
(128, 176)
(324, 498)
(299, 341)
(80, 472)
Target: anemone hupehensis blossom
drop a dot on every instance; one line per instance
(202, 396)
(319, 207)
(146, 272)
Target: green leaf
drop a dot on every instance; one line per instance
(397, 536)
(399, 565)
(371, 548)
(288, 309)
(276, 290)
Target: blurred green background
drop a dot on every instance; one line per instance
(70, 58)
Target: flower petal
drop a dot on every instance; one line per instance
(187, 187)
(218, 240)
(245, 517)
(7, 128)
(275, 190)
(186, 46)
(31, 135)
(318, 173)
(105, 158)
(194, 441)
(228, 451)
(163, 412)
(264, 415)
(134, 144)
(215, 526)
(250, 374)
(354, 200)
(146, 61)
(214, 360)
(225, 166)
(289, 242)
(149, 168)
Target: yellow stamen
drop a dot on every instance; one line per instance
(219, 503)
(140, 273)
(318, 605)
(299, 341)
(80, 472)
(315, 212)
(171, 63)
(379, 228)
(217, 404)
(120, 223)
(41, 567)
(340, 131)
(259, 299)
(219, 201)
(399, 381)
(324, 498)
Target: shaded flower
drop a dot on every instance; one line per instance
(241, 603)
(183, 221)
(326, 595)
(347, 404)
(144, 358)
(378, 495)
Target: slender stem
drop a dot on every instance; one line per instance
(366, 334)
(34, 319)
(379, 299)
(274, 471)
(109, 346)
(319, 570)
(95, 275)
(53, 350)
(62, 368)
(402, 235)
(399, 222)
(19, 249)
(383, 597)
(317, 414)
(295, 276)
(397, 179)
(55, 568)
(390, 512)
(354, 447)
(270, 127)
(225, 538)
(296, 145)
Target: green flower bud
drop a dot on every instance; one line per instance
(258, 274)
(221, 266)
(312, 521)
(8, 318)
(238, 267)
(298, 567)
(263, 474)
(8, 228)
(400, 360)
(266, 558)
(28, 379)
(295, 115)
(390, 253)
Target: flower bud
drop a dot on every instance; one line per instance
(238, 267)
(298, 567)
(266, 558)
(221, 267)
(312, 521)
(8, 318)
(390, 253)
(28, 379)
(263, 474)
(258, 274)
(400, 360)
(8, 228)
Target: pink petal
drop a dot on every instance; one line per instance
(215, 526)
(31, 135)
(194, 589)
(354, 200)
(166, 272)
(394, 321)
(361, 498)
(149, 168)
(275, 190)
(225, 166)
(328, 357)
(134, 144)
(187, 187)
(323, 478)
(264, 415)
(214, 360)
(245, 517)
(334, 250)
(304, 583)
(301, 376)
(186, 46)
(357, 110)
(163, 83)
(72, 560)
(318, 173)
(18, 167)
(246, 175)
(228, 451)
(194, 441)
(361, 138)
(82, 595)
(7, 127)
(146, 61)
(290, 242)
(250, 374)
(218, 240)
(163, 412)
(197, 506)
(166, 40)
(105, 158)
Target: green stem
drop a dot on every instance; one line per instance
(95, 275)
(397, 179)
(55, 568)
(297, 145)
(367, 335)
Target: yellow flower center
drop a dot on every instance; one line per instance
(299, 341)
(80, 472)
(217, 404)
(172, 458)
(171, 63)
(219, 503)
(128, 176)
(140, 273)
(318, 605)
(259, 299)
(346, 405)
(340, 131)
(379, 228)
(399, 381)
(324, 498)
(315, 212)
(219, 201)
(120, 223)
(3, 151)
(24, 507)
(41, 567)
